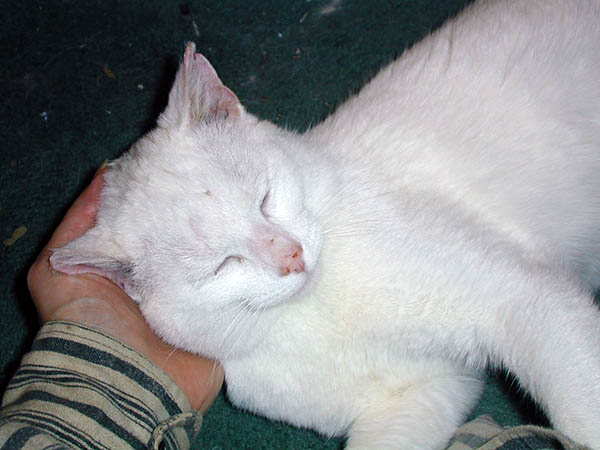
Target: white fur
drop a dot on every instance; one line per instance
(448, 216)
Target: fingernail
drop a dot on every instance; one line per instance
(102, 166)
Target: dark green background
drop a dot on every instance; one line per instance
(80, 81)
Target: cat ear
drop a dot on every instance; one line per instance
(198, 93)
(93, 254)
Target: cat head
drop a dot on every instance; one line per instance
(204, 221)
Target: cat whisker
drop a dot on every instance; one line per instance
(360, 224)
(237, 311)
(240, 318)
(212, 375)
(228, 312)
(245, 310)
(350, 225)
(353, 210)
(171, 353)
(351, 235)
(235, 343)
(333, 200)
(331, 218)
(252, 311)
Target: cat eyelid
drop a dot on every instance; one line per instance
(232, 259)
(264, 202)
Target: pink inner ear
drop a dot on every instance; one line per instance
(216, 99)
(228, 104)
(76, 269)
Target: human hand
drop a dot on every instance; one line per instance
(97, 302)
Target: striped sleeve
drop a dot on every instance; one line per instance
(80, 388)
(484, 433)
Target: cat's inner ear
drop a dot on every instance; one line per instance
(198, 94)
(90, 254)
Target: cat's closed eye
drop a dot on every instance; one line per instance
(265, 205)
(228, 263)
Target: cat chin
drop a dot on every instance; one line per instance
(227, 332)
(283, 292)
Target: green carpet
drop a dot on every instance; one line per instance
(80, 81)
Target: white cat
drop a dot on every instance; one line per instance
(358, 278)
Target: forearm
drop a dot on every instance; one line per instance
(84, 389)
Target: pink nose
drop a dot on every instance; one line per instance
(291, 260)
(276, 249)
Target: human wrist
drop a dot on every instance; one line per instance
(199, 379)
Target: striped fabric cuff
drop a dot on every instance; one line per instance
(80, 388)
(484, 433)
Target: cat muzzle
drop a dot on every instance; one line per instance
(279, 251)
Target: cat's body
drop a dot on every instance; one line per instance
(359, 277)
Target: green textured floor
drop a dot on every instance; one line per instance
(81, 80)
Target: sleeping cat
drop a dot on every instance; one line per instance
(358, 278)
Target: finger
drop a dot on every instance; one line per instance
(82, 214)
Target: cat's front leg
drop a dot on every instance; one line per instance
(551, 342)
(422, 415)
